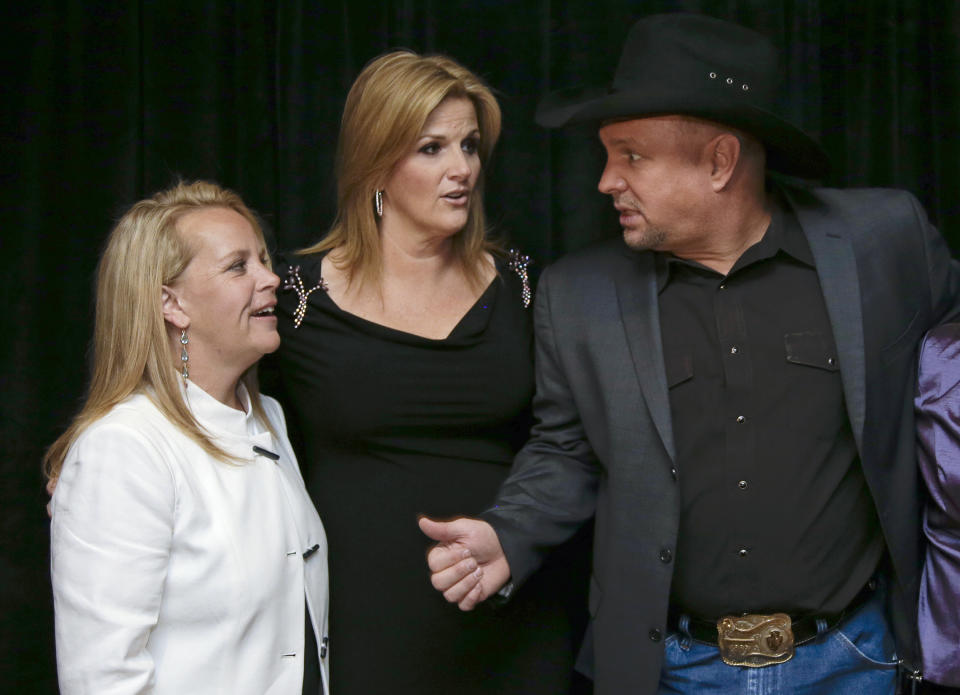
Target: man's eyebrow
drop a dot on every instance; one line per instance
(623, 141)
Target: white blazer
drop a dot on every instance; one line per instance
(174, 572)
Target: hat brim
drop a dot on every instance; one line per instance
(789, 150)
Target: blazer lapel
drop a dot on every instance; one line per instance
(636, 288)
(837, 269)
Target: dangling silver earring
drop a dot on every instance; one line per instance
(184, 372)
(378, 201)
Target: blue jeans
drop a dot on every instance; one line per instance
(855, 658)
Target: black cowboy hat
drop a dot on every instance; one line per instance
(700, 66)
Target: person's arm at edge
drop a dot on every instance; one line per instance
(550, 492)
(552, 487)
(111, 534)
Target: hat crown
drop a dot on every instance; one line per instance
(694, 65)
(695, 52)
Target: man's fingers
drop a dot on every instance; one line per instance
(467, 557)
(470, 601)
(441, 557)
(445, 578)
(459, 591)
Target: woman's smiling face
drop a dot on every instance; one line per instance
(227, 291)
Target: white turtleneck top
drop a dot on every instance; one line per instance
(174, 572)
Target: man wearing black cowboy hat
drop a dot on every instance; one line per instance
(728, 390)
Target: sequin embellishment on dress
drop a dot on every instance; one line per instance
(518, 262)
(295, 282)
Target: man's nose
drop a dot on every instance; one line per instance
(610, 181)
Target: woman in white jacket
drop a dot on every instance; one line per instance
(186, 555)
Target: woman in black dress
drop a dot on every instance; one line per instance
(406, 359)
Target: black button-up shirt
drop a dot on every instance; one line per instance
(775, 510)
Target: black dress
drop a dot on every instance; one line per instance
(393, 425)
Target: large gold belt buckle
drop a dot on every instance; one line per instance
(755, 640)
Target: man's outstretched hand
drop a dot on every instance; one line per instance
(467, 564)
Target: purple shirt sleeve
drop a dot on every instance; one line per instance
(938, 441)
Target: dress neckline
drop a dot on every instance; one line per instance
(465, 326)
(305, 279)
(375, 325)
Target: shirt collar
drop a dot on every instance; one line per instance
(791, 238)
(783, 234)
(219, 418)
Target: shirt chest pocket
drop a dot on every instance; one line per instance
(811, 349)
(679, 367)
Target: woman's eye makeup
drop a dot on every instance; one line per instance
(470, 145)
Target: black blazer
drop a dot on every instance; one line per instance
(603, 441)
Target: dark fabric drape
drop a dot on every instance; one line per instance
(105, 102)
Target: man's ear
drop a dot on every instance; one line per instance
(724, 153)
(173, 313)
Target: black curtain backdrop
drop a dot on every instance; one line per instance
(103, 103)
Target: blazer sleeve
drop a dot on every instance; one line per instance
(552, 487)
(938, 439)
(113, 517)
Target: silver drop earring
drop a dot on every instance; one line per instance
(184, 372)
(378, 202)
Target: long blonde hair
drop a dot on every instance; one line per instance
(385, 112)
(131, 348)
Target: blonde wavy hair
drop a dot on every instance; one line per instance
(385, 112)
(131, 348)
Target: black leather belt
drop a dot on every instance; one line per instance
(804, 627)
